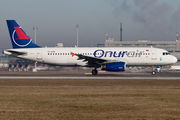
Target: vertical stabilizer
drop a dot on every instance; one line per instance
(18, 37)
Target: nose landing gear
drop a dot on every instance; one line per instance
(153, 71)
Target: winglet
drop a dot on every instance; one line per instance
(73, 54)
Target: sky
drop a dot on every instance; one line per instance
(155, 20)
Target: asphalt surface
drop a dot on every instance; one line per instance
(82, 74)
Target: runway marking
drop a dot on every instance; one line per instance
(88, 73)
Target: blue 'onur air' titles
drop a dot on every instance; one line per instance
(101, 53)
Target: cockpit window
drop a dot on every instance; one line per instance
(166, 53)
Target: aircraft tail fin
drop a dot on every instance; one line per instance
(18, 37)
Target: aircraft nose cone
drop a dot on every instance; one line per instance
(174, 59)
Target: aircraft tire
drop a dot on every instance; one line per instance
(153, 72)
(94, 72)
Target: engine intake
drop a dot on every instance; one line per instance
(114, 66)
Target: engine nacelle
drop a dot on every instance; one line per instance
(114, 66)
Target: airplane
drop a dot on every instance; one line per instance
(114, 59)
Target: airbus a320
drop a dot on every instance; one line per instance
(114, 59)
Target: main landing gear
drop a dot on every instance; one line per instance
(94, 72)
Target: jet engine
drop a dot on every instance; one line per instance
(114, 66)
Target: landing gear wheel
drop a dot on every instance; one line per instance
(153, 72)
(94, 72)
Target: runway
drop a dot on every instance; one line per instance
(164, 75)
(150, 78)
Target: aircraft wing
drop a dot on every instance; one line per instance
(91, 60)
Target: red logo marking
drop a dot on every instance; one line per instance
(73, 54)
(21, 35)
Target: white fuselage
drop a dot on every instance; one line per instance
(131, 56)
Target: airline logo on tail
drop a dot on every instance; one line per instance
(20, 38)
